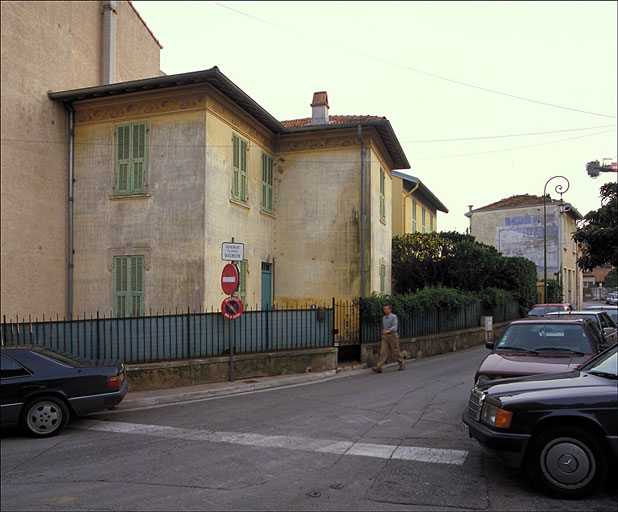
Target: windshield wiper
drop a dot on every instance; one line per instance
(518, 349)
(559, 349)
(604, 374)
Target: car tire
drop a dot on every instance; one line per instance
(567, 462)
(45, 416)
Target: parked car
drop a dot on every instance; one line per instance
(601, 318)
(612, 298)
(532, 346)
(542, 309)
(41, 388)
(561, 427)
(612, 311)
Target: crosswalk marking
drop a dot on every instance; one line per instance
(381, 451)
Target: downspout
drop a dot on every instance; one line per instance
(360, 136)
(405, 196)
(109, 42)
(71, 181)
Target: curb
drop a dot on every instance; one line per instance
(170, 397)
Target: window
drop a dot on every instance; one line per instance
(243, 271)
(382, 197)
(424, 213)
(267, 183)
(430, 223)
(128, 286)
(414, 227)
(131, 159)
(9, 368)
(239, 169)
(382, 279)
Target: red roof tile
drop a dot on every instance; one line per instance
(519, 200)
(299, 123)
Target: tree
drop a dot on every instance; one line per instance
(599, 234)
(611, 279)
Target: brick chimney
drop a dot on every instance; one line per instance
(319, 108)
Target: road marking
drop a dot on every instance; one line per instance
(380, 451)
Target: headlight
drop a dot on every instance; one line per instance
(496, 417)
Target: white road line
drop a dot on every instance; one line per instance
(381, 451)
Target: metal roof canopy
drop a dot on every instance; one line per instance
(218, 80)
(423, 191)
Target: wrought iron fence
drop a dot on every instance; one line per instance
(182, 335)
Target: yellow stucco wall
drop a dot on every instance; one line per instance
(404, 205)
(48, 46)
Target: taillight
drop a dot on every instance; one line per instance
(115, 382)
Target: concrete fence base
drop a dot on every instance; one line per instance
(434, 344)
(171, 374)
(189, 372)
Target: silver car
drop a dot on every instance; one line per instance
(605, 323)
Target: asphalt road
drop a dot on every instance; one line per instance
(357, 441)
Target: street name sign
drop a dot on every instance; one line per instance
(232, 308)
(229, 279)
(232, 251)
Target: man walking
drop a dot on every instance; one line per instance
(390, 340)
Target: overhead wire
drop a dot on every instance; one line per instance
(426, 73)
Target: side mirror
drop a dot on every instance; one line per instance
(490, 345)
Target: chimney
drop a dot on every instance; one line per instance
(109, 42)
(319, 108)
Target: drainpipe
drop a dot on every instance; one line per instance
(71, 180)
(405, 196)
(360, 136)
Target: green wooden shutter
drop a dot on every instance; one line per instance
(267, 183)
(128, 286)
(414, 226)
(138, 150)
(243, 170)
(123, 158)
(235, 167)
(382, 278)
(137, 285)
(382, 196)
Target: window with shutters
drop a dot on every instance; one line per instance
(267, 183)
(414, 227)
(130, 159)
(241, 292)
(382, 279)
(239, 169)
(128, 286)
(424, 220)
(430, 223)
(382, 194)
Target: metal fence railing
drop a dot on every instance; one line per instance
(177, 336)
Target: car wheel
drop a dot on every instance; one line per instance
(567, 462)
(45, 416)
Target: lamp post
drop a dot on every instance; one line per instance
(560, 189)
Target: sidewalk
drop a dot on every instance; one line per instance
(217, 389)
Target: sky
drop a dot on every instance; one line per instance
(488, 99)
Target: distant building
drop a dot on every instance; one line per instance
(594, 283)
(415, 207)
(515, 226)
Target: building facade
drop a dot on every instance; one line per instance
(167, 169)
(523, 225)
(52, 46)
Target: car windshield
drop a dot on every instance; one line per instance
(543, 310)
(544, 337)
(606, 364)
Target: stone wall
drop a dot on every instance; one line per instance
(425, 346)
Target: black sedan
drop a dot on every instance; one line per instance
(42, 388)
(563, 427)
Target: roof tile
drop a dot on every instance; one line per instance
(299, 123)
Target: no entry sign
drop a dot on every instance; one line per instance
(229, 279)
(232, 308)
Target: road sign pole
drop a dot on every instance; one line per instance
(232, 351)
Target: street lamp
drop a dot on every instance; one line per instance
(560, 189)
